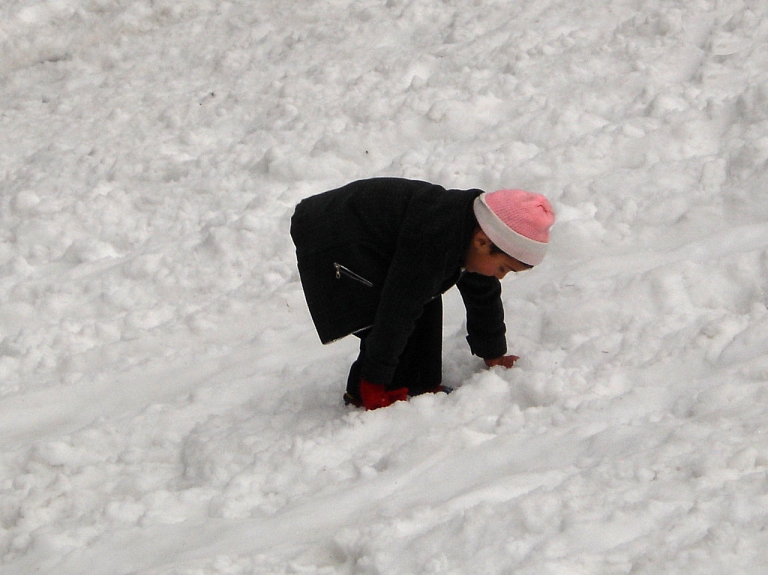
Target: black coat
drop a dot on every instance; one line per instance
(374, 252)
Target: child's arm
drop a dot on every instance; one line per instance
(486, 331)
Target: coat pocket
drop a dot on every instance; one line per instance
(342, 286)
(344, 271)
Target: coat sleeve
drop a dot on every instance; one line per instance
(486, 331)
(415, 275)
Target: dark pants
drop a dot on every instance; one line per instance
(420, 367)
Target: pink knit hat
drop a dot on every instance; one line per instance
(517, 222)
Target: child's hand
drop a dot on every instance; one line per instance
(504, 361)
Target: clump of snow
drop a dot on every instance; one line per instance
(166, 406)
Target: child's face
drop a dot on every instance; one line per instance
(481, 259)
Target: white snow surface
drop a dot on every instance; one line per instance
(165, 405)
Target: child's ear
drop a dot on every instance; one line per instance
(480, 239)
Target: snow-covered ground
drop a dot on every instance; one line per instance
(165, 405)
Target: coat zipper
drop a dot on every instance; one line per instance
(343, 270)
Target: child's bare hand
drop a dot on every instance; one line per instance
(504, 361)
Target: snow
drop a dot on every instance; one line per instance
(165, 405)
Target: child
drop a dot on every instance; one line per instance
(375, 257)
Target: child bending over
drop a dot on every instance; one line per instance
(375, 257)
